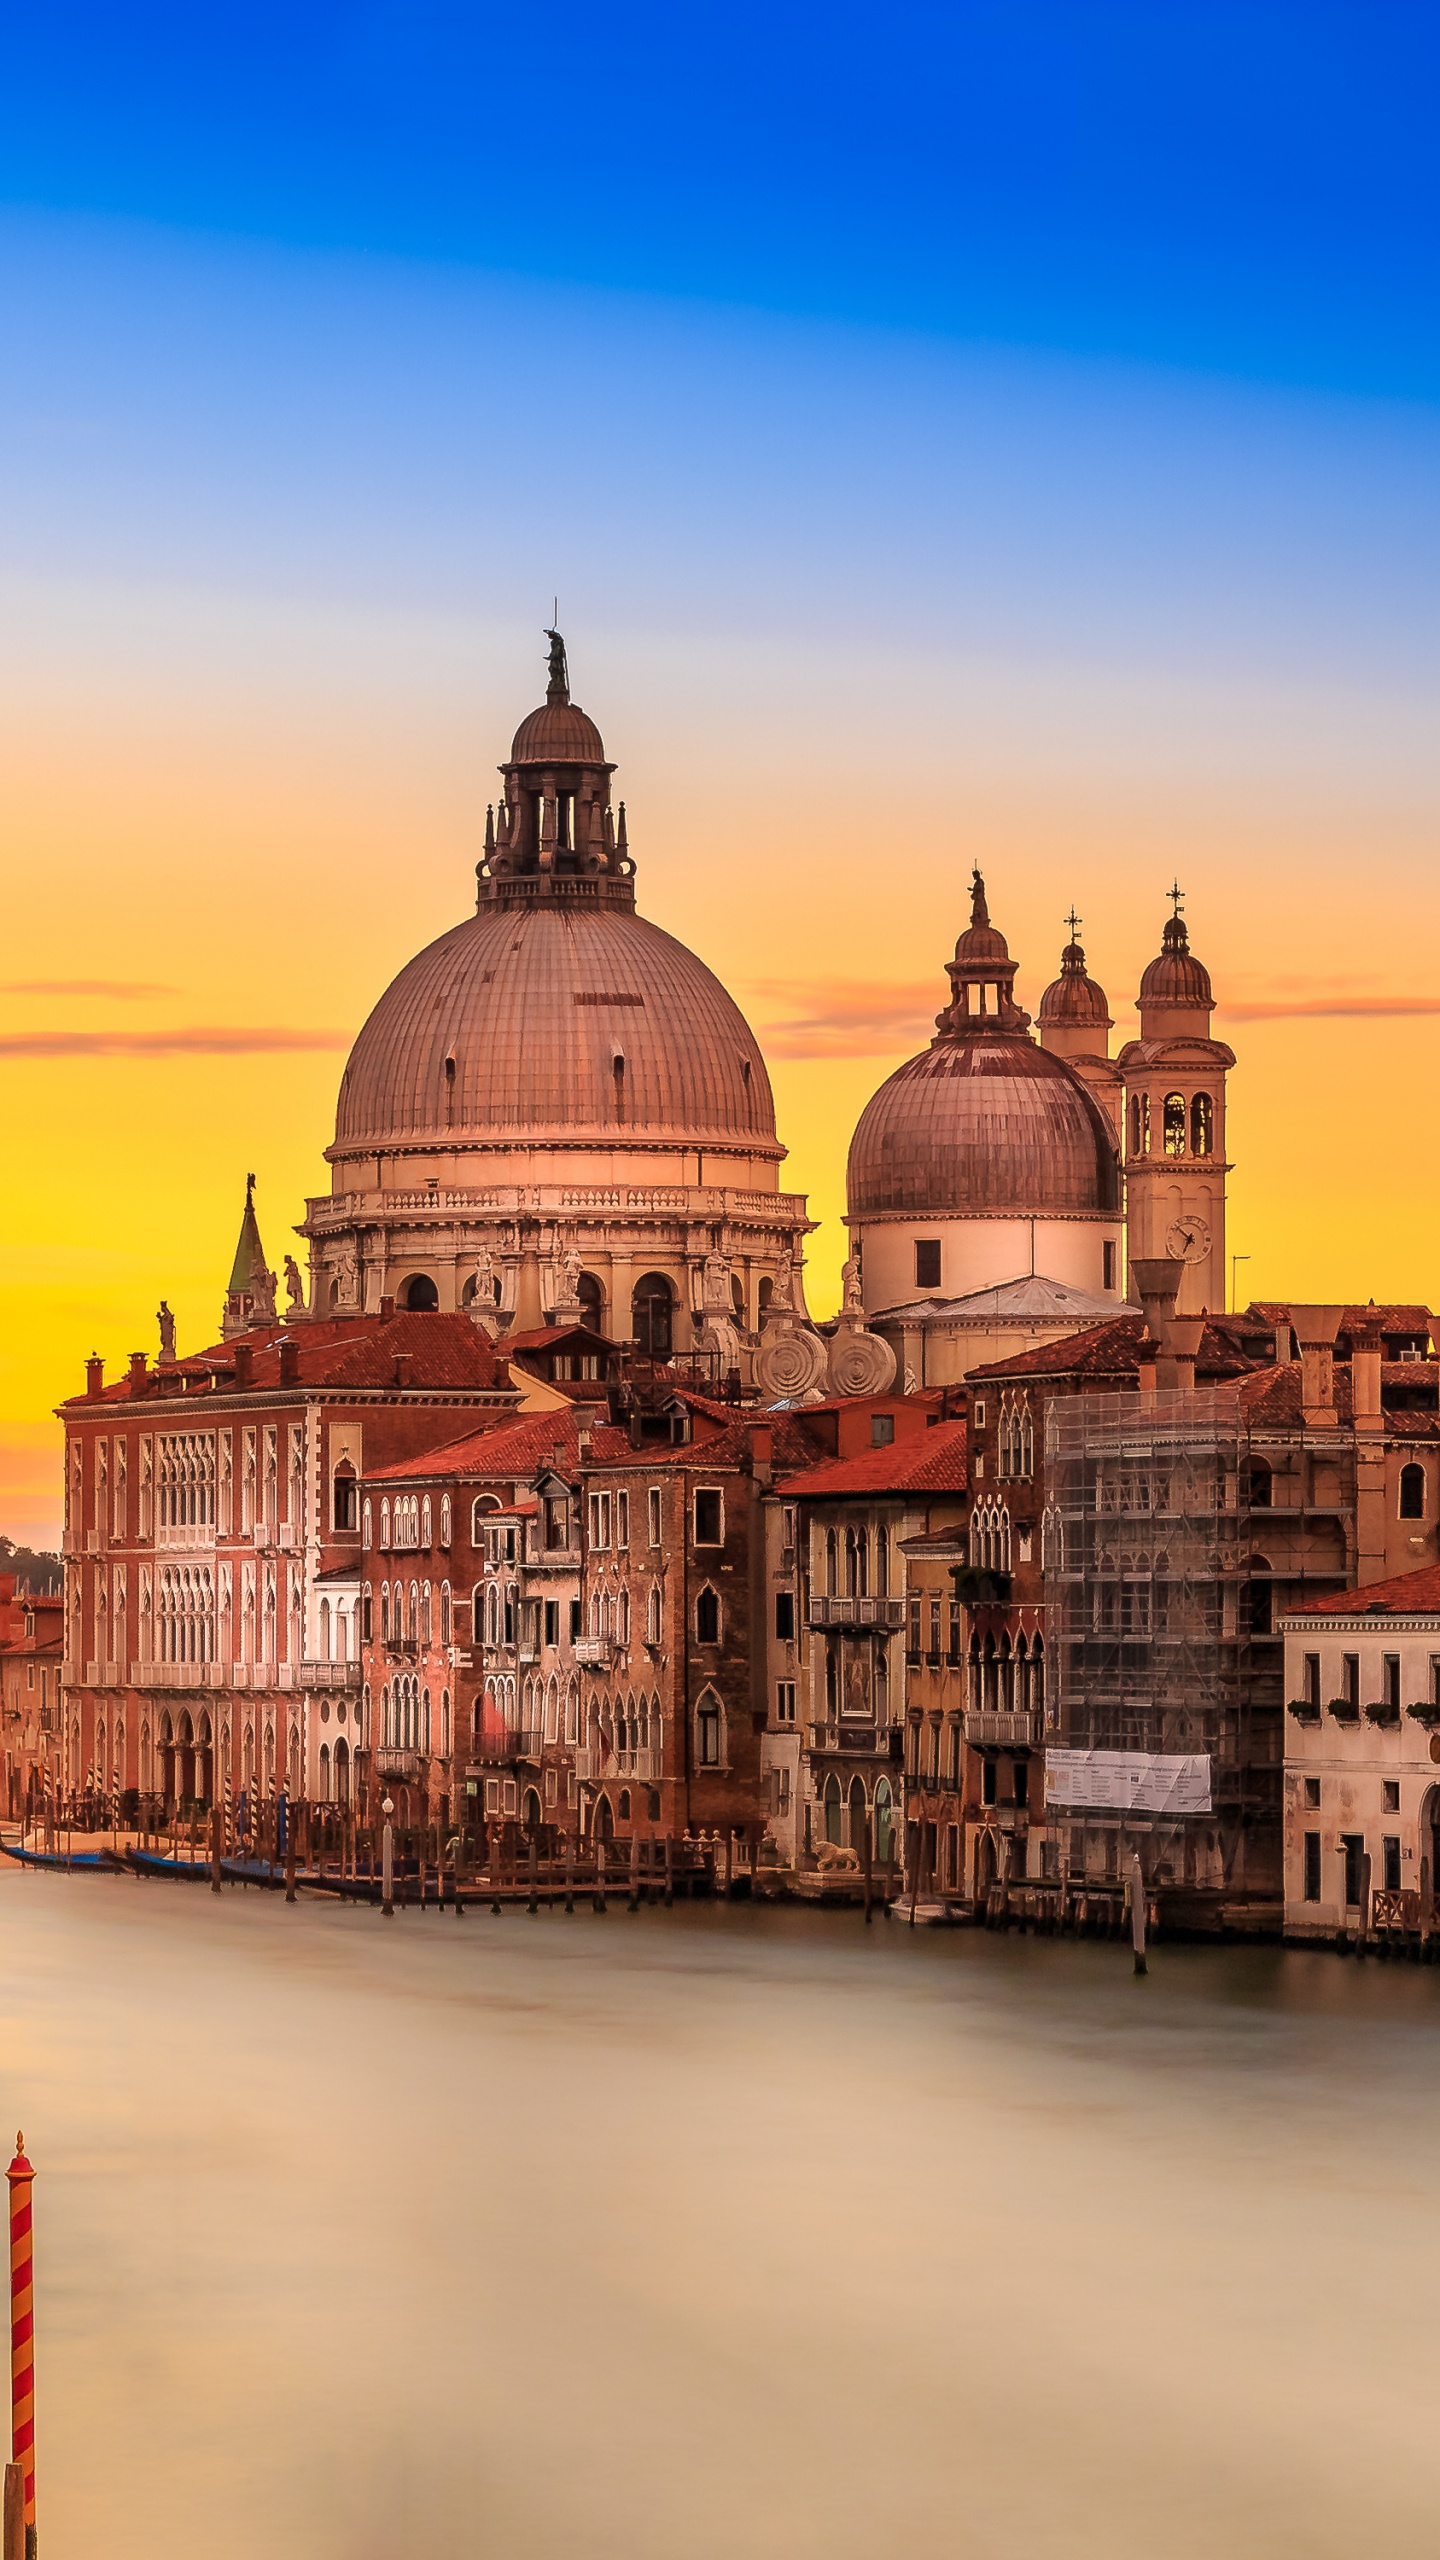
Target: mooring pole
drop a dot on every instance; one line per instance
(214, 1848)
(1137, 1912)
(387, 1864)
(22, 2333)
(12, 2535)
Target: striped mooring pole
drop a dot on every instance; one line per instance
(22, 2332)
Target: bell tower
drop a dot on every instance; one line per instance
(1174, 1084)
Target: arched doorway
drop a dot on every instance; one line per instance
(987, 1863)
(531, 1815)
(652, 1316)
(342, 1771)
(592, 1302)
(1429, 1846)
(420, 1297)
(832, 1810)
(167, 1758)
(603, 1824)
(185, 1773)
(857, 1815)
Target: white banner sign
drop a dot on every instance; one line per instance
(1129, 1781)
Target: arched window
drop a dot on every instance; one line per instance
(343, 1494)
(325, 1653)
(707, 1616)
(654, 1616)
(592, 1302)
(1202, 1125)
(882, 1562)
(414, 1626)
(420, 1295)
(709, 1731)
(367, 1526)
(444, 1519)
(384, 1524)
(1174, 1124)
(830, 1560)
(483, 1503)
(384, 1612)
(426, 1523)
(447, 1617)
(1140, 1124)
(832, 1809)
(832, 1681)
(324, 1772)
(427, 1616)
(1259, 1490)
(652, 1316)
(1412, 1491)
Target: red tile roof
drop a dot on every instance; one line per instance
(933, 1461)
(791, 1445)
(1405, 1595)
(1112, 1351)
(510, 1450)
(343, 1352)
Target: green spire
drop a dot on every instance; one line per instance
(250, 1269)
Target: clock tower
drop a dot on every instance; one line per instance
(1174, 1146)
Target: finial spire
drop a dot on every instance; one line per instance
(1073, 921)
(1176, 896)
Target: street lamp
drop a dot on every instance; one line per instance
(1235, 1259)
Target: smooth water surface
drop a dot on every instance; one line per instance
(715, 2231)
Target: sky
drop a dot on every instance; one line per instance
(972, 433)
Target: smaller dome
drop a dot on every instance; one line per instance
(1073, 998)
(980, 943)
(558, 733)
(1177, 977)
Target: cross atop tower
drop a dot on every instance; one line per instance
(1176, 896)
(1073, 922)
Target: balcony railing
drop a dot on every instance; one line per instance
(594, 1766)
(1016, 1729)
(852, 1609)
(513, 1743)
(329, 1675)
(399, 1764)
(596, 1653)
(838, 1734)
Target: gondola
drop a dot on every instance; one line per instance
(148, 1862)
(83, 1861)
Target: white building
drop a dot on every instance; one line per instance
(1362, 1744)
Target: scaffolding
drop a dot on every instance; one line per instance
(1160, 1620)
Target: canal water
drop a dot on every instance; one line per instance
(718, 2231)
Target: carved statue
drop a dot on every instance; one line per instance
(347, 1278)
(166, 1322)
(716, 1286)
(294, 1285)
(850, 1281)
(483, 1292)
(574, 1273)
(262, 1299)
(559, 671)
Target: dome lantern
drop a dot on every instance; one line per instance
(557, 841)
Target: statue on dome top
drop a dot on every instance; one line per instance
(558, 689)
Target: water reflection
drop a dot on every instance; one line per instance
(714, 2230)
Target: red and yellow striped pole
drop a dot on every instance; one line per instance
(22, 2331)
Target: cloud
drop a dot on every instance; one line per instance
(222, 1040)
(84, 987)
(850, 1017)
(1324, 1008)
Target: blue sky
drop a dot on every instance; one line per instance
(1242, 189)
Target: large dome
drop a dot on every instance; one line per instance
(510, 1028)
(993, 1127)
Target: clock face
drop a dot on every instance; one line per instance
(1187, 1240)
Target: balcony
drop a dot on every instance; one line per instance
(514, 1743)
(857, 1741)
(595, 1653)
(329, 1675)
(594, 1766)
(853, 1609)
(399, 1764)
(180, 1675)
(1005, 1729)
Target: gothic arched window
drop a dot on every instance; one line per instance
(1412, 1492)
(707, 1616)
(1202, 1125)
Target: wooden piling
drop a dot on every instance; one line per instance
(534, 1875)
(599, 1875)
(569, 1874)
(1137, 1913)
(867, 1862)
(634, 1871)
(214, 1848)
(12, 2535)
(669, 1872)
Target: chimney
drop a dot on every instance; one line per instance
(1366, 1355)
(289, 1364)
(1158, 1283)
(94, 1375)
(404, 1368)
(137, 1371)
(762, 1441)
(1149, 1356)
(387, 1309)
(244, 1365)
(1284, 1343)
(1183, 1336)
(1315, 1331)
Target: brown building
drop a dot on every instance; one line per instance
(31, 1642)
